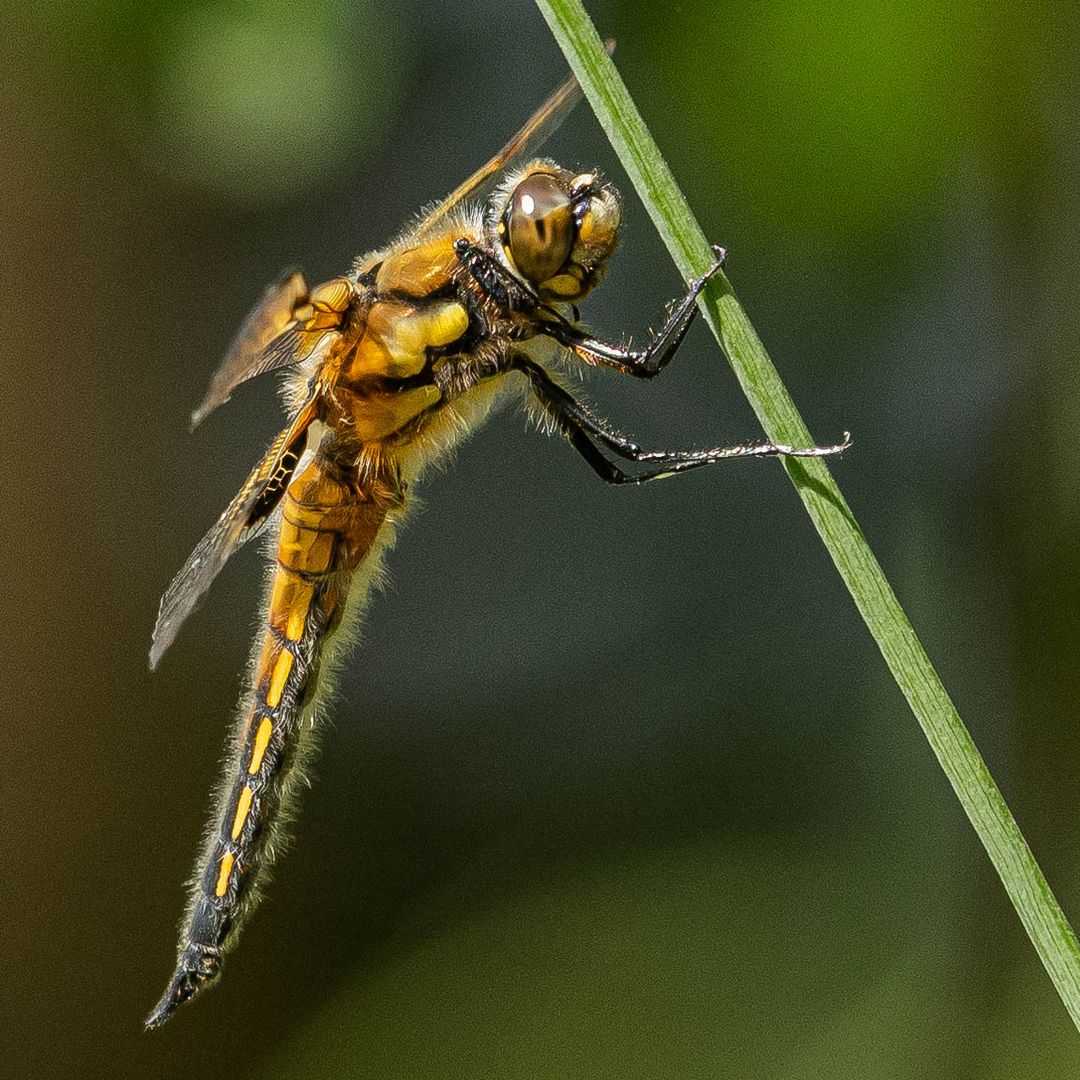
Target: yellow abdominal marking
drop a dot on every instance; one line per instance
(294, 630)
(277, 680)
(292, 595)
(227, 861)
(243, 805)
(262, 738)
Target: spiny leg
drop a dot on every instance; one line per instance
(581, 427)
(648, 362)
(642, 363)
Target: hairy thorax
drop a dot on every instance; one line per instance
(424, 336)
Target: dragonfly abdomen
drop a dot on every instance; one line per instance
(327, 530)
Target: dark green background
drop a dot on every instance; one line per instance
(617, 785)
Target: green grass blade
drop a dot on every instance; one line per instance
(956, 752)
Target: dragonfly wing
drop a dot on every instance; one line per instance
(241, 520)
(265, 342)
(527, 141)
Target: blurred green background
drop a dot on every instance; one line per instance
(617, 785)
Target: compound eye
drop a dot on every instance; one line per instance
(539, 227)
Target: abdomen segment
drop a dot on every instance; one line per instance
(328, 527)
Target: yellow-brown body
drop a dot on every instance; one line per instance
(388, 366)
(391, 364)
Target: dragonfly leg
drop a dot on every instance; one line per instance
(648, 362)
(585, 431)
(643, 363)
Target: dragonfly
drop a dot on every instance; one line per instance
(388, 366)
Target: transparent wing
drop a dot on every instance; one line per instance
(527, 141)
(262, 344)
(242, 519)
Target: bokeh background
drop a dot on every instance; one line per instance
(618, 785)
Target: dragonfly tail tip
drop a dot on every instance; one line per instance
(198, 968)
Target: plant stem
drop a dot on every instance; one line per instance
(950, 740)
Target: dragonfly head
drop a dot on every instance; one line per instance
(557, 229)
